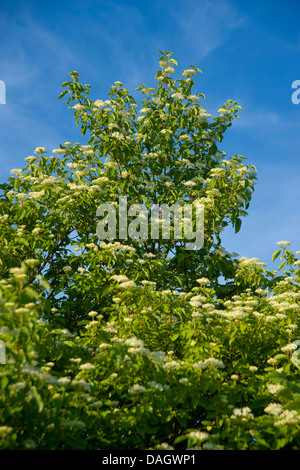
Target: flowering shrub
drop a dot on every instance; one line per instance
(141, 344)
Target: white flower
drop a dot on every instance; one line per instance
(119, 277)
(126, 284)
(30, 159)
(244, 261)
(198, 436)
(289, 347)
(36, 194)
(274, 409)
(134, 342)
(274, 388)
(189, 73)
(214, 362)
(58, 151)
(148, 283)
(211, 446)
(87, 366)
(166, 131)
(163, 446)
(102, 179)
(288, 417)
(171, 364)
(184, 380)
(40, 150)
(15, 171)
(283, 243)
(127, 319)
(136, 388)
(185, 137)
(272, 361)
(4, 430)
(118, 135)
(99, 103)
(234, 377)
(17, 386)
(92, 313)
(67, 269)
(242, 412)
(203, 280)
(189, 184)
(155, 385)
(78, 106)
(138, 135)
(195, 302)
(200, 365)
(194, 98)
(169, 70)
(110, 164)
(178, 96)
(109, 328)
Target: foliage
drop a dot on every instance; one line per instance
(131, 344)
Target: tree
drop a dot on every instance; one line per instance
(135, 343)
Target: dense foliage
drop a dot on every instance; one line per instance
(142, 344)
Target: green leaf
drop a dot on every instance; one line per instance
(38, 398)
(276, 254)
(44, 282)
(63, 93)
(281, 265)
(237, 225)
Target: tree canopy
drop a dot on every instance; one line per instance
(140, 343)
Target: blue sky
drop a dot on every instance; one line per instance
(248, 50)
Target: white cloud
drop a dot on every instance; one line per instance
(258, 118)
(207, 24)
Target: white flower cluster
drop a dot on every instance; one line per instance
(101, 104)
(189, 73)
(116, 246)
(203, 281)
(274, 388)
(210, 362)
(244, 261)
(156, 386)
(189, 184)
(283, 243)
(243, 413)
(136, 388)
(281, 415)
(178, 96)
(194, 98)
(136, 345)
(198, 436)
(289, 347)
